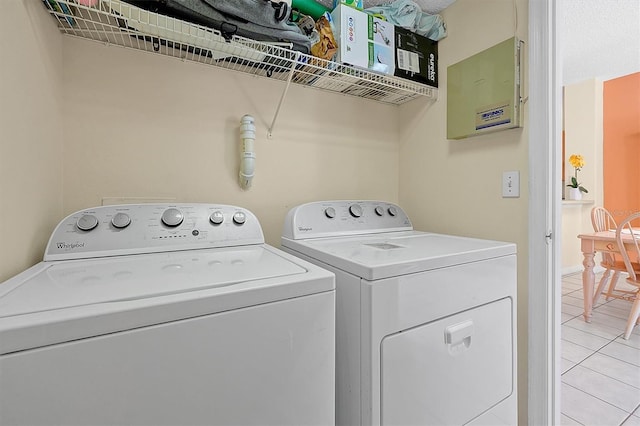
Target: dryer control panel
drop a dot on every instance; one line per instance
(149, 228)
(340, 218)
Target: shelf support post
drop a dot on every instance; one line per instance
(284, 94)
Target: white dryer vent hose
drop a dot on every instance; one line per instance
(248, 157)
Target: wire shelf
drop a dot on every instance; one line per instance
(118, 23)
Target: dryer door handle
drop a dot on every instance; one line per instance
(460, 333)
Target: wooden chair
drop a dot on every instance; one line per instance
(602, 221)
(631, 259)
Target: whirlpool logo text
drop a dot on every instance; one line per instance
(69, 246)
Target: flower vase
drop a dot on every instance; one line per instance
(575, 194)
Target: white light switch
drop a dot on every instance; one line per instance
(511, 184)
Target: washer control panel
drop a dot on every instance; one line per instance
(337, 218)
(148, 228)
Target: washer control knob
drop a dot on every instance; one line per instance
(392, 211)
(239, 218)
(172, 217)
(330, 212)
(216, 217)
(87, 222)
(379, 211)
(355, 210)
(120, 220)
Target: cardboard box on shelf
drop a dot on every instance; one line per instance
(364, 41)
(368, 42)
(416, 57)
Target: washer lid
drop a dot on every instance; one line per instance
(393, 254)
(63, 301)
(73, 283)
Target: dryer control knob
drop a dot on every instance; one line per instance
(330, 212)
(216, 217)
(120, 220)
(87, 222)
(239, 218)
(379, 211)
(355, 210)
(172, 217)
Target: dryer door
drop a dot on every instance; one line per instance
(449, 371)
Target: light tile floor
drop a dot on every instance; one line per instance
(600, 370)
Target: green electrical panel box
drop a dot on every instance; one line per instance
(483, 91)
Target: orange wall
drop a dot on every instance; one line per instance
(621, 145)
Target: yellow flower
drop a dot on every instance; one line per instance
(576, 161)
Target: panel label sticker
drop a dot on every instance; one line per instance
(493, 115)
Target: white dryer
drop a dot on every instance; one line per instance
(166, 315)
(425, 323)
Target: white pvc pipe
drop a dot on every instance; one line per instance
(248, 156)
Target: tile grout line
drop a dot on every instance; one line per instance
(569, 417)
(602, 354)
(618, 359)
(570, 368)
(620, 334)
(591, 349)
(602, 400)
(627, 418)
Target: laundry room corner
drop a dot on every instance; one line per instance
(87, 124)
(454, 186)
(31, 133)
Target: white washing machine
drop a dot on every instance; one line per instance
(167, 315)
(425, 323)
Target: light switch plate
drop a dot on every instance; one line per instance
(511, 184)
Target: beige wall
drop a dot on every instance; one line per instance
(30, 133)
(583, 135)
(144, 126)
(455, 186)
